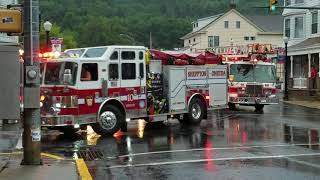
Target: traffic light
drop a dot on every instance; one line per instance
(10, 21)
(272, 4)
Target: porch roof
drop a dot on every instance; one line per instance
(311, 45)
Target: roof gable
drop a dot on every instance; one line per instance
(268, 24)
(237, 13)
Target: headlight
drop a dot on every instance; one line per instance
(242, 90)
(54, 111)
(57, 105)
(268, 92)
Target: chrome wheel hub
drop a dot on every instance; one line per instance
(108, 120)
(196, 111)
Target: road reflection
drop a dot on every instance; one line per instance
(296, 135)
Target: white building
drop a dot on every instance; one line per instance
(4, 39)
(234, 29)
(302, 27)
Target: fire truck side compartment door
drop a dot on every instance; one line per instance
(177, 88)
(217, 85)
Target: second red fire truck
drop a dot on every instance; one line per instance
(109, 86)
(252, 77)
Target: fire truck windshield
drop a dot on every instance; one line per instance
(253, 73)
(53, 74)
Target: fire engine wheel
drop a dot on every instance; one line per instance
(110, 121)
(196, 112)
(259, 107)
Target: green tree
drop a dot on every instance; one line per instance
(68, 37)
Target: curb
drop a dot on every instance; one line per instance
(83, 169)
(304, 104)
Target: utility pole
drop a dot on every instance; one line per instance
(150, 38)
(31, 115)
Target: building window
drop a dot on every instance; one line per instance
(300, 66)
(216, 41)
(226, 24)
(299, 1)
(288, 2)
(128, 71)
(189, 41)
(246, 38)
(298, 25)
(238, 24)
(210, 41)
(253, 38)
(287, 28)
(314, 25)
(194, 39)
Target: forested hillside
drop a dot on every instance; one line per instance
(105, 22)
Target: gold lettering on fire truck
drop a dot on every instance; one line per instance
(218, 73)
(197, 74)
(130, 97)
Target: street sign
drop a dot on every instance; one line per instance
(56, 44)
(10, 21)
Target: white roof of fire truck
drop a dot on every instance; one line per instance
(99, 53)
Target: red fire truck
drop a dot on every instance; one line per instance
(252, 76)
(108, 86)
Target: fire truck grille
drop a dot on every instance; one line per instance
(254, 90)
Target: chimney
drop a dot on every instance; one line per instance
(232, 4)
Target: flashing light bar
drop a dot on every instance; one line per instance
(49, 55)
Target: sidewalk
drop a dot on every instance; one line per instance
(54, 167)
(309, 104)
(51, 169)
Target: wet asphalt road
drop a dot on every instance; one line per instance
(280, 143)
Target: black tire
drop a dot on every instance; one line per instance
(106, 126)
(193, 117)
(232, 106)
(124, 127)
(259, 107)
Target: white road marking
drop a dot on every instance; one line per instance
(217, 148)
(214, 159)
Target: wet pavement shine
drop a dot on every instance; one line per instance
(280, 143)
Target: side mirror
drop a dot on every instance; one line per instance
(67, 77)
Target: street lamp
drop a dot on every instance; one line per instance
(286, 96)
(47, 27)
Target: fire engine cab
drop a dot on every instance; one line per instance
(108, 86)
(252, 76)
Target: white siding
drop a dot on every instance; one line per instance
(237, 35)
(307, 19)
